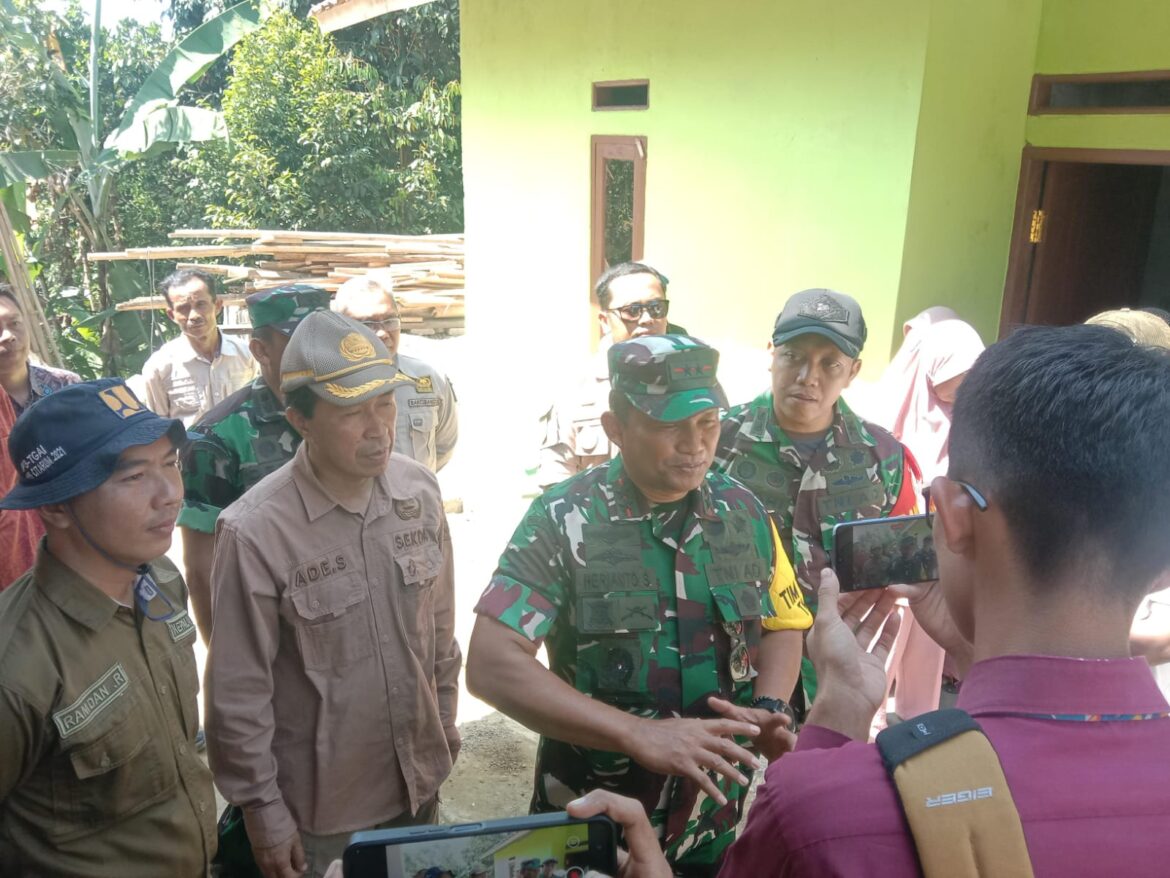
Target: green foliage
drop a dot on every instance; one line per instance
(319, 139)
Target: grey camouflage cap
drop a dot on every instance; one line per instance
(284, 307)
(668, 377)
(342, 360)
(826, 313)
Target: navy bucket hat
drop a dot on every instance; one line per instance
(68, 443)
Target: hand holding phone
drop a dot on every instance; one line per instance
(877, 552)
(517, 847)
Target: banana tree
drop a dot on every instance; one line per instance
(83, 167)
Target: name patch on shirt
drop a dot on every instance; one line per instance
(92, 702)
(416, 402)
(181, 626)
(409, 539)
(322, 568)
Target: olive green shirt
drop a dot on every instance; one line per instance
(98, 770)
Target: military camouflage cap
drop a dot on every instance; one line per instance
(668, 377)
(342, 360)
(826, 313)
(284, 307)
(534, 863)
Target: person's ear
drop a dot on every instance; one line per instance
(259, 350)
(56, 516)
(298, 421)
(853, 371)
(613, 427)
(956, 513)
(603, 322)
(171, 314)
(217, 305)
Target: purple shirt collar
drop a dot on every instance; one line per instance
(1058, 685)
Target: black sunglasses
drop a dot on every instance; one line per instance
(633, 311)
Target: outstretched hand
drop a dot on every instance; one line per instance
(693, 747)
(849, 644)
(776, 736)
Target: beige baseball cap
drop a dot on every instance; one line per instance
(343, 361)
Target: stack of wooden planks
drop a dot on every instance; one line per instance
(427, 270)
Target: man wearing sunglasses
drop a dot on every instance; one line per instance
(428, 420)
(632, 303)
(98, 769)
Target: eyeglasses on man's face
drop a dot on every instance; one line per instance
(974, 493)
(632, 312)
(388, 325)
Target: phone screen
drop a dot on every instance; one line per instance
(876, 552)
(525, 847)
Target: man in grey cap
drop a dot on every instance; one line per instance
(800, 449)
(333, 667)
(98, 769)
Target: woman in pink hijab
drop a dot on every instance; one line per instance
(918, 390)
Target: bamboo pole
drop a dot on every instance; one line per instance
(42, 340)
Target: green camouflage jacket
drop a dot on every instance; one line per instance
(644, 621)
(857, 473)
(242, 440)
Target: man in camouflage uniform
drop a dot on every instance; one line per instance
(632, 303)
(803, 451)
(242, 439)
(670, 613)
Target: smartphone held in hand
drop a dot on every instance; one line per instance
(876, 552)
(518, 847)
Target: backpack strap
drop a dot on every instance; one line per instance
(955, 797)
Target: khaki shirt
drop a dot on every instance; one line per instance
(179, 383)
(574, 439)
(332, 676)
(428, 421)
(98, 770)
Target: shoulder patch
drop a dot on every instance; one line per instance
(424, 384)
(109, 686)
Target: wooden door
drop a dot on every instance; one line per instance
(1081, 240)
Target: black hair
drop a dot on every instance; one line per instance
(1065, 429)
(620, 405)
(264, 333)
(303, 399)
(6, 292)
(601, 288)
(186, 275)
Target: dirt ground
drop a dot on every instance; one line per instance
(493, 775)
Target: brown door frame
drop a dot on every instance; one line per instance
(1031, 186)
(626, 148)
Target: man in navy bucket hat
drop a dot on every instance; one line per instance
(98, 686)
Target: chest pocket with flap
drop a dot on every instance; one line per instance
(332, 621)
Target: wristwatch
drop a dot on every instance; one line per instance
(776, 705)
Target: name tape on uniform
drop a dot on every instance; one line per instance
(92, 702)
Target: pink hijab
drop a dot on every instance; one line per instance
(938, 346)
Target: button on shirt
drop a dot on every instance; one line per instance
(180, 383)
(1093, 797)
(98, 770)
(333, 667)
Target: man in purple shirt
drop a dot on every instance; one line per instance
(1050, 529)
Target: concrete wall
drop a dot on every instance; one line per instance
(979, 66)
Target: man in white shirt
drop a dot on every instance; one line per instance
(200, 368)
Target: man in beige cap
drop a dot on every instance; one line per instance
(333, 667)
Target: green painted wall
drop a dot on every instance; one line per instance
(780, 148)
(979, 66)
(1100, 36)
